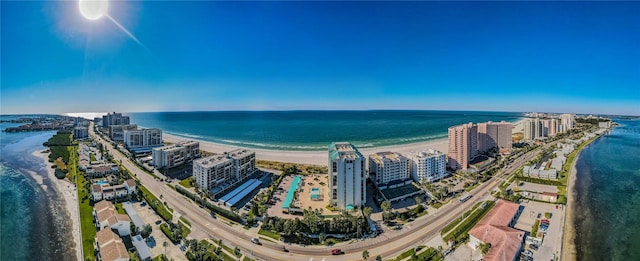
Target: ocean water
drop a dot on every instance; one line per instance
(313, 130)
(608, 196)
(34, 224)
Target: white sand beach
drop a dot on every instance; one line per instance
(314, 157)
(67, 191)
(320, 157)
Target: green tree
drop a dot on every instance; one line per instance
(485, 248)
(365, 254)
(367, 211)
(386, 205)
(418, 200)
(322, 237)
(146, 230)
(378, 258)
(236, 251)
(165, 244)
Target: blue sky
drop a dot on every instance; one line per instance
(581, 57)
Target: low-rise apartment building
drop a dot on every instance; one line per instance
(106, 218)
(109, 246)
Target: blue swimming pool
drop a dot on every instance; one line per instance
(102, 182)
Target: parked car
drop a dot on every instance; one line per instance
(256, 241)
(336, 251)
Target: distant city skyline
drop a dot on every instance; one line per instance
(574, 57)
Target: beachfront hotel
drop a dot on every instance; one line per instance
(231, 166)
(386, 168)
(429, 166)
(175, 154)
(463, 145)
(143, 138)
(114, 119)
(347, 183)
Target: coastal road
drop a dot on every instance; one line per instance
(386, 245)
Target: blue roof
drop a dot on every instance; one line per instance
(240, 192)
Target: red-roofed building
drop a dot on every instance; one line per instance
(497, 229)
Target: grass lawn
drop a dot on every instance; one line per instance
(268, 239)
(186, 182)
(86, 221)
(270, 234)
(119, 208)
(186, 221)
(185, 230)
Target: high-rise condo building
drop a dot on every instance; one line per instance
(212, 171)
(116, 132)
(244, 162)
(463, 140)
(175, 154)
(143, 138)
(429, 166)
(235, 165)
(347, 183)
(494, 135)
(80, 132)
(387, 167)
(567, 121)
(114, 119)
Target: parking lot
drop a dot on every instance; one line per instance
(552, 239)
(539, 188)
(156, 239)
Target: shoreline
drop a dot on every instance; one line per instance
(568, 242)
(569, 250)
(319, 157)
(312, 157)
(68, 194)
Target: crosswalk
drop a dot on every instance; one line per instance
(311, 259)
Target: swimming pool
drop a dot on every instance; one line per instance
(102, 182)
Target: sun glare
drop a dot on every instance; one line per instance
(93, 9)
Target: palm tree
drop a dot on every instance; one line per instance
(418, 200)
(367, 211)
(164, 244)
(365, 254)
(386, 205)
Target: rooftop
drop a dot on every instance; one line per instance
(343, 150)
(211, 161)
(427, 153)
(494, 229)
(381, 157)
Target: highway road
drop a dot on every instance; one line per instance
(387, 245)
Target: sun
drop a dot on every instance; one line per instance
(93, 9)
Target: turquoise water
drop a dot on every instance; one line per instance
(608, 196)
(102, 182)
(313, 130)
(33, 222)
